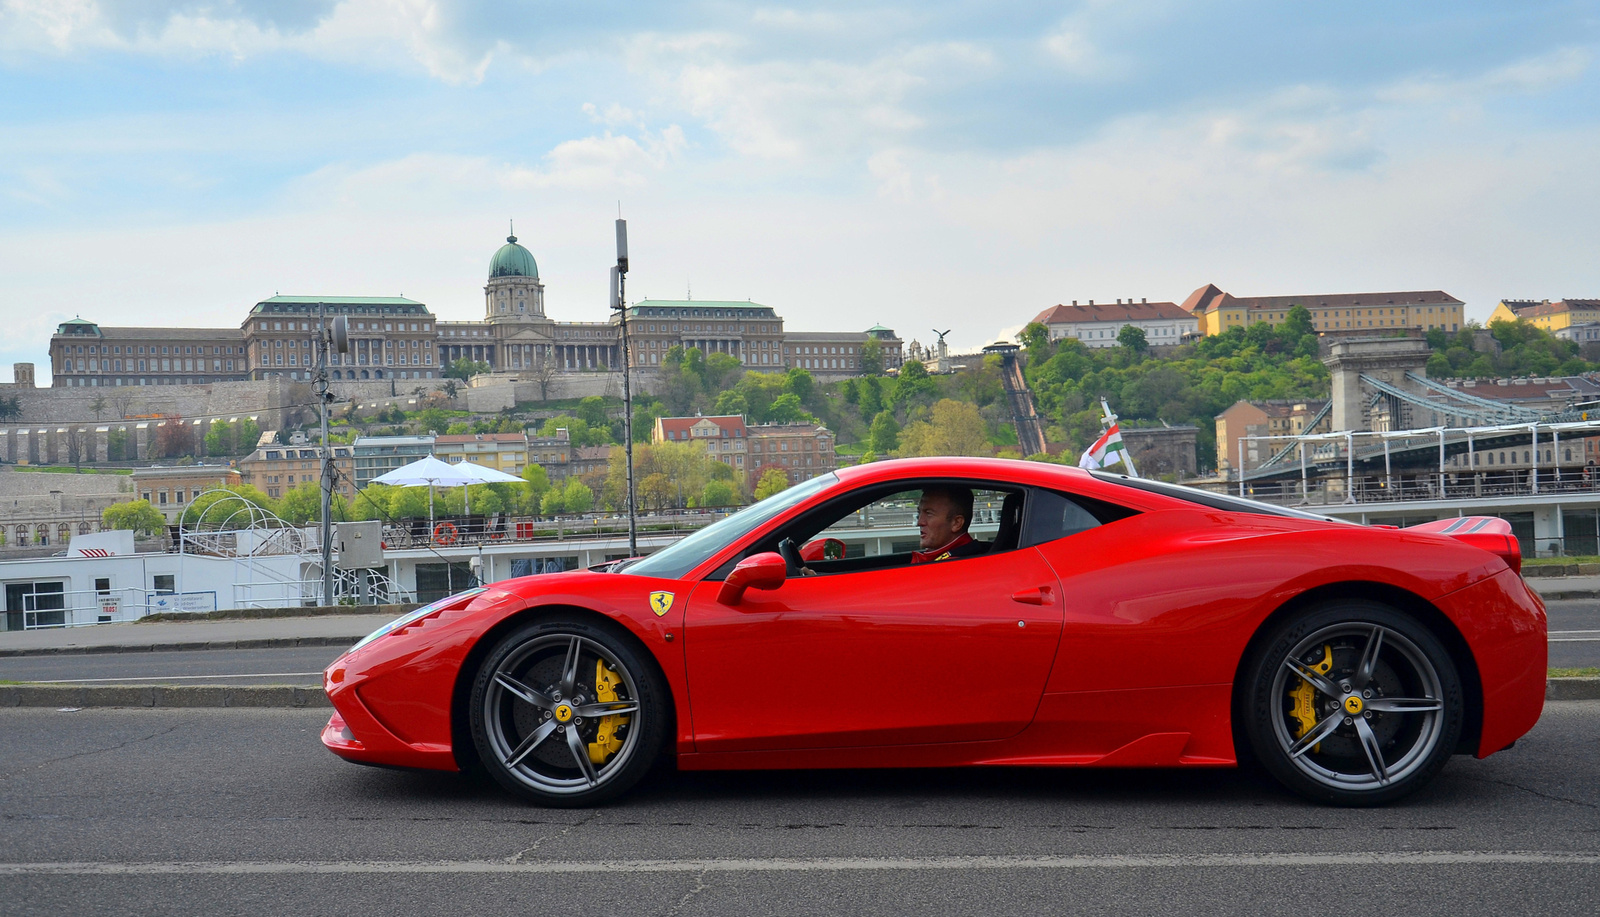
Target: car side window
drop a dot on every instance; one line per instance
(888, 525)
(1050, 515)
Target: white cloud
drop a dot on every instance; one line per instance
(375, 33)
(797, 110)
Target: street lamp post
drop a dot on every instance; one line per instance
(619, 302)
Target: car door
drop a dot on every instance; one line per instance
(953, 651)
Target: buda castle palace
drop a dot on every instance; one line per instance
(398, 338)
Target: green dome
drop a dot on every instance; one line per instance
(512, 260)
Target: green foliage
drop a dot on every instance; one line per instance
(137, 515)
(229, 505)
(433, 420)
(719, 493)
(219, 439)
(1132, 337)
(885, 438)
(117, 448)
(579, 432)
(465, 368)
(11, 408)
(302, 504)
(872, 357)
(670, 474)
(953, 428)
(1036, 337)
(570, 496)
(1525, 350)
(913, 386)
(246, 433)
(772, 481)
(536, 483)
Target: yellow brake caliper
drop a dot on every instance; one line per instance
(606, 741)
(1304, 696)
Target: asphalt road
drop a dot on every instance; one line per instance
(300, 665)
(1574, 632)
(242, 812)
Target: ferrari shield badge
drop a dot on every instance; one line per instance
(661, 602)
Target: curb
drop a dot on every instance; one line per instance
(1569, 594)
(46, 695)
(1582, 688)
(161, 696)
(262, 643)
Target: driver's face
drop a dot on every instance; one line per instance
(937, 521)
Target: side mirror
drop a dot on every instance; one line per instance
(758, 571)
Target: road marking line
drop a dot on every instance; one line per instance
(84, 681)
(822, 864)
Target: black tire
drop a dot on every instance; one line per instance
(1327, 725)
(536, 719)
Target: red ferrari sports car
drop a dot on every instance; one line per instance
(1097, 620)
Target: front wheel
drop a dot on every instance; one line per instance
(1352, 703)
(566, 713)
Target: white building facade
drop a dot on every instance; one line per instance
(1097, 325)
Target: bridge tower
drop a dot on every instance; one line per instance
(1358, 405)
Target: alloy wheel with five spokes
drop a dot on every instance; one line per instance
(565, 713)
(1352, 703)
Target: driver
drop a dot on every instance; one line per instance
(943, 515)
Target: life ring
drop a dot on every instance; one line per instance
(445, 533)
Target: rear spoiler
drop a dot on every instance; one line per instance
(1491, 533)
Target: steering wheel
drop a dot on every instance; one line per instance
(791, 556)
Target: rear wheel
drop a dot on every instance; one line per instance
(1352, 703)
(566, 713)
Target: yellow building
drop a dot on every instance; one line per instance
(507, 452)
(1216, 311)
(1551, 316)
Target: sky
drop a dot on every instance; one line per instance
(927, 164)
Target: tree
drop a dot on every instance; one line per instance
(871, 357)
(720, 369)
(433, 420)
(98, 406)
(786, 408)
(219, 439)
(536, 483)
(572, 496)
(137, 515)
(914, 383)
(1132, 337)
(1298, 323)
(174, 438)
(773, 480)
(799, 383)
(656, 492)
(1036, 337)
(465, 368)
(450, 387)
(885, 436)
(544, 373)
(247, 435)
(955, 428)
(226, 505)
(719, 493)
(117, 446)
(303, 503)
(11, 408)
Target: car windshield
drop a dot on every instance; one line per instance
(1225, 502)
(677, 560)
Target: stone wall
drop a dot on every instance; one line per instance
(270, 401)
(15, 483)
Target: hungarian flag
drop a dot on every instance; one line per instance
(1107, 450)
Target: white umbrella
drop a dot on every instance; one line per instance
(429, 472)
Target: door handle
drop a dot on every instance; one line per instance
(1038, 595)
